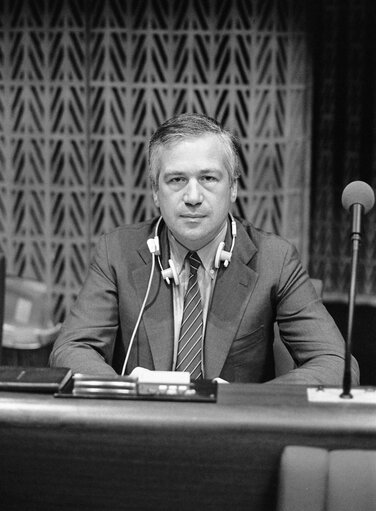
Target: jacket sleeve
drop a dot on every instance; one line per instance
(307, 329)
(87, 339)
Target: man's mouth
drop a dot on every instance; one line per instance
(192, 216)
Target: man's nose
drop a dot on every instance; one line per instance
(193, 193)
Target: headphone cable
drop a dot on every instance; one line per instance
(139, 315)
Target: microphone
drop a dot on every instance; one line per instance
(358, 198)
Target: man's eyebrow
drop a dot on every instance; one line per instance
(178, 172)
(211, 170)
(172, 172)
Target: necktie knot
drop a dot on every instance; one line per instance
(194, 261)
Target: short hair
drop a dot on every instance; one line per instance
(185, 126)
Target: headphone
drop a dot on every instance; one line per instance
(171, 273)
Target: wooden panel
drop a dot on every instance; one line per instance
(98, 455)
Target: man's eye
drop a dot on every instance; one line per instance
(209, 179)
(176, 180)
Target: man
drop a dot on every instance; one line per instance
(241, 280)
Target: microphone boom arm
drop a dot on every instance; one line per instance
(355, 243)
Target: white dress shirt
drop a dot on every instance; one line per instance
(206, 276)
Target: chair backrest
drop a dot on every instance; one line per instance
(315, 479)
(28, 322)
(27, 302)
(283, 361)
(303, 474)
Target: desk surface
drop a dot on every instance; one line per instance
(62, 453)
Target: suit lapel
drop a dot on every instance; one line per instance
(158, 317)
(232, 292)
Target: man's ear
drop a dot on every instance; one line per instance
(155, 195)
(234, 191)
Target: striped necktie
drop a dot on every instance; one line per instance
(190, 338)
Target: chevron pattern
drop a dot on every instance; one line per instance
(84, 85)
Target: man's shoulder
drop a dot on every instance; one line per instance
(261, 237)
(134, 231)
(125, 241)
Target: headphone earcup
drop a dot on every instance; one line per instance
(170, 273)
(222, 255)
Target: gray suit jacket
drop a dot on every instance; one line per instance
(264, 283)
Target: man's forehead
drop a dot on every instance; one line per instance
(190, 139)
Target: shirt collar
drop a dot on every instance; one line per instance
(207, 253)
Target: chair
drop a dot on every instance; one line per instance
(283, 361)
(28, 330)
(314, 479)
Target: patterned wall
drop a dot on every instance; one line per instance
(83, 84)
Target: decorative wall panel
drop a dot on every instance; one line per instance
(84, 84)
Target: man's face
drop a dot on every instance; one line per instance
(194, 194)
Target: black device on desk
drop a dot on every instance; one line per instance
(43, 380)
(156, 385)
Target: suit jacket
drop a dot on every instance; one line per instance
(264, 283)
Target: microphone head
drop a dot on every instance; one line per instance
(358, 192)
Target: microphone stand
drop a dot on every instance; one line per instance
(355, 238)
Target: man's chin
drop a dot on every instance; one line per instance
(194, 240)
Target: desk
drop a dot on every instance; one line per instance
(77, 454)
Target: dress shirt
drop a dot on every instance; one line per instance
(206, 276)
